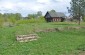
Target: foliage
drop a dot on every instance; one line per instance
(1, 20)
(18, 16)
(77, 8)
(13, 18)
(9, 18)
(39, 20)
(84, 18)
(81, 47)
(34, 16)
(52, 11)
(39, 13)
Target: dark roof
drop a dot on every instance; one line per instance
(57, 14)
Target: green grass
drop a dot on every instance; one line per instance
(50, 43)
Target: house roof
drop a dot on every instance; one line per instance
(57, 14)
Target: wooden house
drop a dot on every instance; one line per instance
(54, 17)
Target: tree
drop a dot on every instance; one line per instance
(52, 11)
(32, 16)
(10, 17)
(77, 9)
(39, 13)
(18, 16)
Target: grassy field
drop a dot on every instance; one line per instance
(50, 43)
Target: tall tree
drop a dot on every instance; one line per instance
(39, 13)
(33, 16)
(77, 9)
(52, 10)
(18, 16)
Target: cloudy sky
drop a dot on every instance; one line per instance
(32, 6)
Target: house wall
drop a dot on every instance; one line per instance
(49, 19)
(57, 19)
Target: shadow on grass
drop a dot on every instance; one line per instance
(64, 24)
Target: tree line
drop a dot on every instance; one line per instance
(14, 17)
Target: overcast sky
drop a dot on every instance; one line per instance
(32, 6)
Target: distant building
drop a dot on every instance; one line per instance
(54, 17)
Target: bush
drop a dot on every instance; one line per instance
(1, 22)
(81, 47)
(38, 20)
(84, 19)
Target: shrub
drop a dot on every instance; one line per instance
(38, 20)
(84, 19)
(81, 47)
(1, 22)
